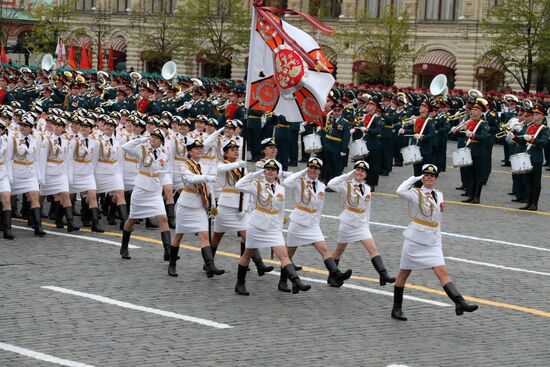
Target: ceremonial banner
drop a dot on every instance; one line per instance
(84, 60)
(288, 73)
(72, 60)
(3, 56)
(60, 54)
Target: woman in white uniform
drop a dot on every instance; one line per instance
(54, 156)
(82, 160)
(265, 224)
(5, 178)
(355, 219)
(23, 157)
(192, 209)
(304, 228)
(422, 248)
(147, 194)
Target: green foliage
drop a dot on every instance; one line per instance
(520, 31)
(384, 44)
(52, 23)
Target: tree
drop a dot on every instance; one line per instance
(52, 24)
(520, 33)
(7, 14)
(383, 44)
(214, 30)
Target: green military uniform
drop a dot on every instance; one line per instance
(335, 139)
(387, 137)
(425, 143)
(494, 127)
(476, 170)
(372, 137)
(439, 147)
(282, 138)
(254, 133)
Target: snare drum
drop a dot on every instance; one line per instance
(411, 154)
(521, 163)
(462, 157)
(312, 143)
(358, 150)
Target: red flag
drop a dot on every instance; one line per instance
(100, 56)
(111, 65)
(3, 56)
(90, 56)
(72, 60)
(84, 61)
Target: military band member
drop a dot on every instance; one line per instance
(192, 209)
(387, 137)
(304, 228)
(422, 247)
(265, 224)
(372, 127)
(535, 138)
(335, 139)
(441, 134)
(423, 132)
(147, 193)
(355, 219)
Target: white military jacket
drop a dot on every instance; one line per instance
(309, 203)
(82, 156)
(149, 176)
(357, 205)
(190, 196)
(24, 160)
(109, 155)
(230, 196)
(53, 156)
(425, 211)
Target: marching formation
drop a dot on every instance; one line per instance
(151, 151)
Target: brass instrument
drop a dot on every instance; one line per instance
(457, 116)
(507, 127)
(408, 120)
(474, 93)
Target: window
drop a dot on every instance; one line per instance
(377, 8)
(166, 6)
(325, 8)
(443, 9)
(85, 5)
(122, 5)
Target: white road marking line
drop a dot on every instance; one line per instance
(83, 237)
(41, 356)
(372, 290)
(457, 235)
(496, 266)
(131, 306)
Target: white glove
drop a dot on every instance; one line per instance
(242, 164)
(302, 128)
(342, 154)
(469, 133)
(418, 178)
(527, 137)
(350, 174)
(144, 139)
(509, 137)
(258, 173)
(211, 178)
(401, 131)
(453, 129)
(187, 105)
(417, 136)
(215, 102)
(517, 128)
(364, 129)
(355, 101)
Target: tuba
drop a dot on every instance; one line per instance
(169, 70)
(47, 62)
(438, 86)
(474, 93)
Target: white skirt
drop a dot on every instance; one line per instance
(260, 238)
(54, 184)
(5, 184)
(108, 183)
(82, 183)
(177, 182)
(129, 182)
(191, 220)
(299, 235)
(146, 204)
(23, 185)
(348, 234)
(417, 256)
(227, 220)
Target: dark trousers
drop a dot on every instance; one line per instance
(283, 152)
(375, 162)
(387, 155)
(305, 156)
(253, 141)
(293, 154)
(440, 155)
(488, 161)
(532, 180)
(506, 153)
(334, 165)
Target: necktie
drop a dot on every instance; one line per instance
(272, 187)
(86, 141)
(155, 154)
(27, 141)
(434, 196)
(362, 190)
(59, 141)
(111, 141)
(199, 166)
(314, 184)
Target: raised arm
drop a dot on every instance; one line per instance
(247, 183)
(404, 190)
(338, 183)
(291, 180)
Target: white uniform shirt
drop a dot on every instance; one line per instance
(309, 202)
(149, 177)
(357, 204)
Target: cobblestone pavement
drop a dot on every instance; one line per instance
(497, 255)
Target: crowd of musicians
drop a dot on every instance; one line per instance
(171, 155)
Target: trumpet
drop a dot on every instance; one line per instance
(458, 116)
(408, 120)
(507, 127)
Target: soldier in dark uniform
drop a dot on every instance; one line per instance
(442, 129)
(505, 116)
(372, 127)
(282, 137)
(120, 103)
(535, 138)
(387, 137)
(494, 127)
(335, 139)
(293, 143)
(403, 112)
(254, 133)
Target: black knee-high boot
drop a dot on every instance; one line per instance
(76, 211)
(6, 218)
(85, 215)
(396, 312)
(381, 269)
(240, 287)
(173, 259)
(460, 303)
(331, 280)
(297, 284)
(111, 216)
(58, 212)
(94, 216)
(25, 208)
(166, 240)
(123, 214)
(259, 262)
(283, 285)
(171, 215)
(211, 269)
(37, 222)
(338, 276)
(14, 211)
(70, 220)
(124, 245)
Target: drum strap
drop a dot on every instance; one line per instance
(530, 144)
(474, 131)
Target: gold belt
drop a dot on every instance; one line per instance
(179, 159)
(268, 211)
(107, 161)
(306, 209)
(193, 191)
(130, 160)
(425, 222)
(23, 163)
(210, 157)
(149, 174)
(389, 126)
(356, 210)
(283, 126)
(333, 138)
(233, 191)
(83, 160)
(58, 161)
